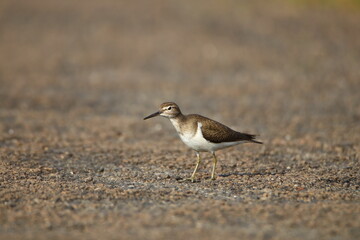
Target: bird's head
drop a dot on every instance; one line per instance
(167, 109)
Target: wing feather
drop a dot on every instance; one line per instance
(216, 132)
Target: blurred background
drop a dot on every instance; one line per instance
(260, 63)
(77, 77)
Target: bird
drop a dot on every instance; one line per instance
(202, 134)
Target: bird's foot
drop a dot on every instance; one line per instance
(187, 180)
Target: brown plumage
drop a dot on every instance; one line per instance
(216, 132)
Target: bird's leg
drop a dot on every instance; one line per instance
(214, 166)
(196, 167)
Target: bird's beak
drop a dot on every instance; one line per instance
(152, 115)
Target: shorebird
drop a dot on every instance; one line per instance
(202, 134)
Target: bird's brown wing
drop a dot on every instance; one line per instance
(216, 132)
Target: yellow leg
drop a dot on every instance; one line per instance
(196, 167)
(214, 166)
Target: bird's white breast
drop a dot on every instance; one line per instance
(197, 141)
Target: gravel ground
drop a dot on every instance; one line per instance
(78, 161)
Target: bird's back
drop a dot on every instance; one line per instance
(216, 132)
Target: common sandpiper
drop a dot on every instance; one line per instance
(201, 133)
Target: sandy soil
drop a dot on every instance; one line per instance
(78, 161)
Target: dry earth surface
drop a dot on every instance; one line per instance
(78, 161)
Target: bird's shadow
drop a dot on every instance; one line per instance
(251, 174)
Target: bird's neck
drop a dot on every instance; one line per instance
(178, 121)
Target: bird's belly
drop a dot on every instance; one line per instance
(196, 143)
(200, 144)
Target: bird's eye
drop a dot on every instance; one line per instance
(169, 108)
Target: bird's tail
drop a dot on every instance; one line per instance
(252, 139)
(258, 142)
